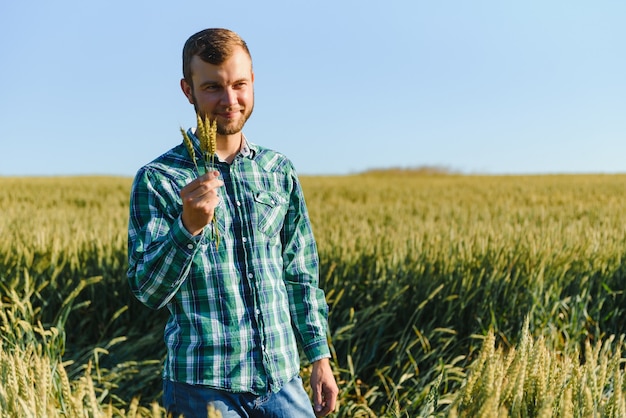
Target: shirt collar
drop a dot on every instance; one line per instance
(247, 150)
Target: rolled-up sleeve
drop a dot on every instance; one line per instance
(160, 249)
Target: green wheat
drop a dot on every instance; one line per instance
(207, 135)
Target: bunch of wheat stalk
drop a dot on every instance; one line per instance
(207, 135)
(534, 381)
(35, 382)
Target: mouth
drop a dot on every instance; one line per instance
(229, 115)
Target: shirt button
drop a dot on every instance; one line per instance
(244, 239)
(250, 275)
(238, 203)
(190, 246)
(258, 311)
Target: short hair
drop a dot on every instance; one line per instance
(213, 46)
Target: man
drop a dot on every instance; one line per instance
(237, 309)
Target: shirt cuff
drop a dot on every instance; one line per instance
(183, 238)
(317, 350)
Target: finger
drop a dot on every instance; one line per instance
(203, 198)
(209, 175)
(201, 186)
(330, 402)
(317, 399)
(211, 180)
(323, 409)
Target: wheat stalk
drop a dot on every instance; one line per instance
(212, 149)
(189, 146)
(207, 135)
(66, 390)
(201, 132)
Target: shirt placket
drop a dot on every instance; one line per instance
(245, 235)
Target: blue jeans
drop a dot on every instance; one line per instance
(192, 401)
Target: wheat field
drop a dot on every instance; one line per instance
(450, 295)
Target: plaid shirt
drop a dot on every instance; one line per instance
(236, 311)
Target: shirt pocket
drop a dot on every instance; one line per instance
(271, 209)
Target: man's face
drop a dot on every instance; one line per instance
(224, 92)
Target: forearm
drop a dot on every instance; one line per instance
(324, 388)
(309, 310)
(158, 268)
(158, 253)
(310, 320)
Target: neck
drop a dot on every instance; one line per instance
(228, 146)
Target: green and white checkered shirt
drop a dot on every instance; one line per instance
(236, 311)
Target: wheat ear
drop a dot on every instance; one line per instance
(207, 135)
(201, 132)
(210, 128)
(189, 146)
(213, 141)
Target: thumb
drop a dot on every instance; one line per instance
(317, 397)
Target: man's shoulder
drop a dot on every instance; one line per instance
(173, 163)
(270, 159)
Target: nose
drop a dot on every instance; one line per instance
(229, 97)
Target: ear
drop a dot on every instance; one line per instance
(187, 90)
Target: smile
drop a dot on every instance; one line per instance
(229, 115)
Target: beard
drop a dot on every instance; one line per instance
(234, 126)
(231, 127)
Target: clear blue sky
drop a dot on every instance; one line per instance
(92, 87)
